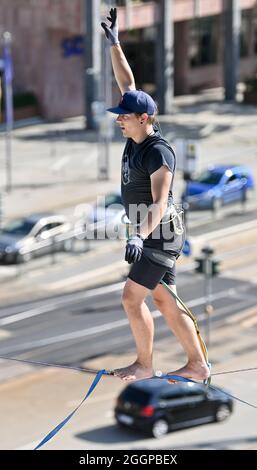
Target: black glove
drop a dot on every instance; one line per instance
(112, 31)
(134, 248)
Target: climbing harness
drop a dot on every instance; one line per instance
(174, 213)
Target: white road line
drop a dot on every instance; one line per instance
(60, 163)
(83, 276)
(239, 228)
(103, 328)
(207, 130)
(69, 336)
(57, 303)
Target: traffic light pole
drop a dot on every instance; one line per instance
(208, 308)
(209, 267)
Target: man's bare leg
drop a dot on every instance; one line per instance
(184, 329)
(142, 326)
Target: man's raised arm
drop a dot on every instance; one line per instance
(121, 68)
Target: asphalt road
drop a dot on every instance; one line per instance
(84, 325)
(91, 325)
(69, 328)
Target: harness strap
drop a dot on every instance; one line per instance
(200, 339)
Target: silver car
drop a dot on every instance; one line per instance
(35, 235)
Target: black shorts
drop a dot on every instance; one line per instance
(148, 274)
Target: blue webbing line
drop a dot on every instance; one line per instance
(98, 377)
(52, 433)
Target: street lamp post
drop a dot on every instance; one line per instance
(7, 39)
(92, 59)
(209, 267)
(231, 41)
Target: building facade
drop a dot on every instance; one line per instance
(49, 38)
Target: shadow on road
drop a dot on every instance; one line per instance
(115, 435)
(240, 443)
(111, 434)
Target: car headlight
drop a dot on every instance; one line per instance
(9, 249)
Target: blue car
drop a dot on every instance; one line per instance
(217, 186)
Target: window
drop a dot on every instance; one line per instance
(122, 3)
(132, 395)
(245, 31)
(19, 227)
(43, 229)
(202, 41)
(255, 30)
(172, 396)
(209, 177)
(139, 49)
(232, 178)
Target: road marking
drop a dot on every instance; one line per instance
(60, 163)
(103, 328)
(242, 316)
(235, 229)
(5, 334)
(207, 130)
(57, 303)
(83, 276)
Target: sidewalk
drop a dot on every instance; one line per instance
(54, 165)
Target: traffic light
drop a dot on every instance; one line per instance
(200, 267)
(215, 267)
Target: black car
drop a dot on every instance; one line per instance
(154, 406)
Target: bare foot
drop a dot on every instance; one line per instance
(193, 371)
(134, 372)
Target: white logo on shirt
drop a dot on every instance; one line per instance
(125, 169)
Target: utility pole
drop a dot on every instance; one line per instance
(165, 57)
(209, 267)
(92, 59)
(8, 92)
(105, 123)
(231, 45)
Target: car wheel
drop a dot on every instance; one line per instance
(23, 258)
(222, 413)
(10, 259)
(160, 428)
(67, 246)
(216, 204)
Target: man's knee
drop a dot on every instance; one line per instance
(130, 299)
(161, 296)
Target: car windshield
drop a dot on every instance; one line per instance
(18, 227)
(209, 177)
(136, 396)
(112, 199)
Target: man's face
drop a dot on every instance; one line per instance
(129, 124)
